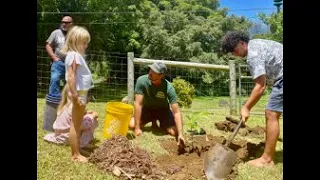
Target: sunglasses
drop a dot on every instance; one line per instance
(66, 22)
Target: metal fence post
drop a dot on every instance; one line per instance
(240, 74)
(233, 88)
(130, 78)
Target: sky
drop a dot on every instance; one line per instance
(242, 7)
(249, 8)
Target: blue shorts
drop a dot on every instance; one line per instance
(276, 97)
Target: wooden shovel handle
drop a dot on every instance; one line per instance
(235, 132)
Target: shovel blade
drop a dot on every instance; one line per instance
(219, 161)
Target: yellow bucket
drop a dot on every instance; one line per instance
(118, 115)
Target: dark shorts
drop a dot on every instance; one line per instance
(165, 117)
(276, 97)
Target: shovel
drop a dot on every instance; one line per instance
(220, 159)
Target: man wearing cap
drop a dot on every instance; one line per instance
(153, 95)
(53, 46)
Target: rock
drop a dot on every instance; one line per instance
(116, 171)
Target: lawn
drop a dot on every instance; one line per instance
(54, 162)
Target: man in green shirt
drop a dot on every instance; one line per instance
(153, 97)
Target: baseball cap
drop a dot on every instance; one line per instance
(158, 67)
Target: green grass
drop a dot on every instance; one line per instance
(54, 162)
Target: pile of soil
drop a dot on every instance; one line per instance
(118, 153)
(230, 124)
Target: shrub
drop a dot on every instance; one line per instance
(185, 92)
(100, 70)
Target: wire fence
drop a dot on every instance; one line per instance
(245, 86)
(109, 74)
(110, 79)
(109, 71)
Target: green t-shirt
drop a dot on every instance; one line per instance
(155, 96)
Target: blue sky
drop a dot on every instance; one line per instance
(240, 6)
(250, 9)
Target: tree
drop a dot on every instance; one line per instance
(275, 23)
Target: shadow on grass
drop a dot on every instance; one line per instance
(130, 135)
(95, 141)
(90, 148)
(278, 157)
(154, 131)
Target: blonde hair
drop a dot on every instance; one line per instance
(75, 39)
(64, 99)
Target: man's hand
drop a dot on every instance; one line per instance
(50, 51)
(181, 141)
(245, 114)
(55, 58)
(76, 100)
(137, 131)
(256, 93)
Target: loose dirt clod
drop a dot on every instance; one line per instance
(235, 121)
(230, 124)
(118, 151)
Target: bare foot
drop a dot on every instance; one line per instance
(260, 162)
(90, 146)
(80, 158)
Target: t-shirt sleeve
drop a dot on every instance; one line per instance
(256, 62)
(71, 57)
(51, 38)
(139, 86)
(172, 95)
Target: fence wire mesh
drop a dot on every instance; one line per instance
(245, 87)
(109, 71)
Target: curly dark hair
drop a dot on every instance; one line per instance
(231, 39)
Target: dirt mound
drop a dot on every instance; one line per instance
(230, 124)
(189, 164)
(118, 154)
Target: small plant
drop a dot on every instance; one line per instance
(193, 125)
(185, 92)
(194, 129)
